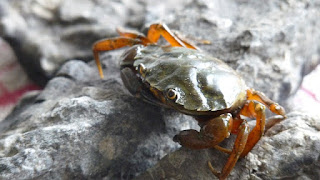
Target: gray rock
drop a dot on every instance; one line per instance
(82, 127)
(46, 33)
(290, 150)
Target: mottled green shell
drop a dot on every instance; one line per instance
(204, 83)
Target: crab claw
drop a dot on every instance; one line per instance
(183, 136)
(190, 138)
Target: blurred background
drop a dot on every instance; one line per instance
(14, 82)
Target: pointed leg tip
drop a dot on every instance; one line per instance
(215, 172)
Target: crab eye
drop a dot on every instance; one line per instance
(141, 69)
(172, 94)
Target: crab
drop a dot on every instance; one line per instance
(182, 77)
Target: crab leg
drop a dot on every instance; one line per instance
(272, 121)
(254, 109)
(156, 30)
(259, 96)
(212, 132)
(132, 38)
(274, 107)
(134, 35)
(236, 123)
(154, 33)
(222, 149)
(238, 147)
(111, 44)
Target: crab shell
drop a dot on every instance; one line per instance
(204, 84)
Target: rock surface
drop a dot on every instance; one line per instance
(82, 127)
(79, 129)
(46, 33)
(290, 150)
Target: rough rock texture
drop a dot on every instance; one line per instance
(84, 127)
(46, 33)
(290, 150)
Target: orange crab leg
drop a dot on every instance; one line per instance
(156, 30)
(188, 45)
(111, 44)
(258, 96)
(213, 131)
(239, 144)
(154, 33)
(134, 35)
(222, 149)
(272, 121)
(256, 110)
(132, 38)
(236, 123)
(238, 147)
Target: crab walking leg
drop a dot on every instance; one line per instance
(256, 110)
(222, 149)
(185, 41)
(272, 121)
(212, 132)
(236, 123)
(238, 147)
(134, 35)
(110, 44)
(156, 30)
(259, 96)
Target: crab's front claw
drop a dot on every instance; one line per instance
(181, 137)
(190, 139)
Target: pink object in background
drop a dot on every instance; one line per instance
(307, 98)
(13, 80)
